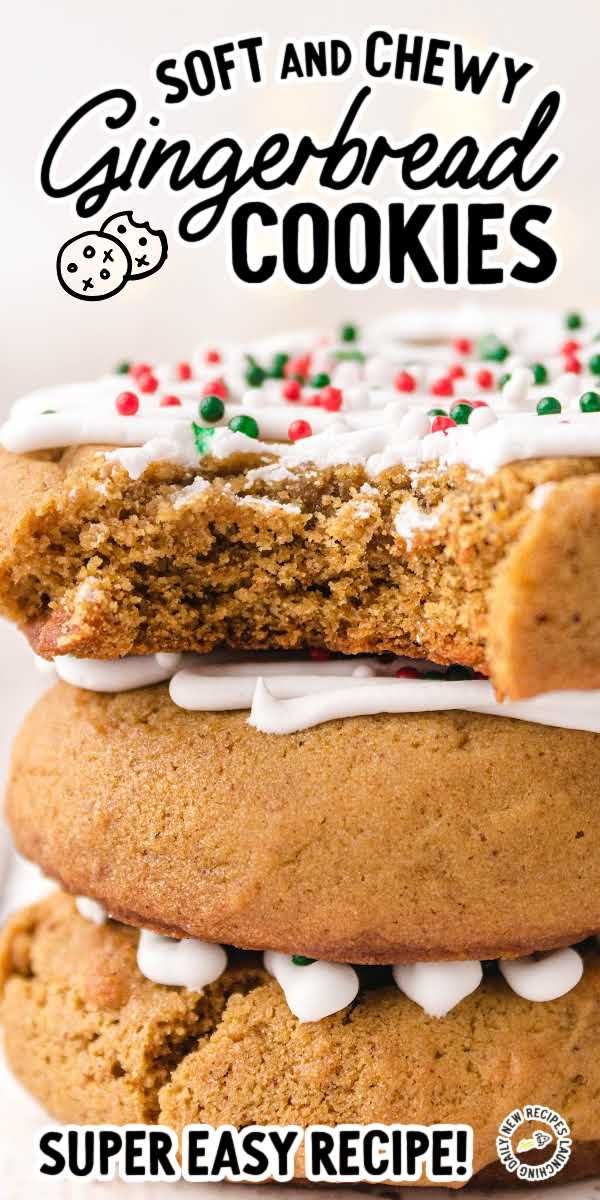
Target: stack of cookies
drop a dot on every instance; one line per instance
(318, 778)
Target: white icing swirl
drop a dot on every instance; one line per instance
(189, 963)
(315, 990)
(438, 987)
(545, 978)
(116, 675)
(302, 693)
(91, 910)
(271, 713)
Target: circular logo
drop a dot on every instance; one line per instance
(534, 1143)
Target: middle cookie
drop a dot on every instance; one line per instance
(374, 839)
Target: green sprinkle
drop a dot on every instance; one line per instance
(244, 424)
(589, 402)
(594, 364)
(457, 672)
(46, 411)
(300, 960)
(320, 381)
(547, 406)
(348, 333)
(432, 675)
(350, 356)
(437, 412)
(490, 349)
(573, 320)
(202, 438)
(539, 372)
(122, 368)
(503, 379)
(212, 408)
(277, 368)
(461, 413)
(255, 375)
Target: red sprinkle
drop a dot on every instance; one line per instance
(407, 673)
(297, 366)
(299, 429)
(127, 404)
(319, 655)
(456, 372)
(477, 403)
(442, 387)
(216, 387)
(331, 399)
(573, 366)
(405, 382)
(140, 369)
(170, 402)
(147, 383)
(570, 347)
(291, 391)
(463, 345)
(212, 356)
(484, 378)
(184, 370)
(442, 423)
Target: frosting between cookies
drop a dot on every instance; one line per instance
(288, 694)
(315, 989)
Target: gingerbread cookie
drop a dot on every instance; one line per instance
(389, 839)
(340, 494)
(98, 1043)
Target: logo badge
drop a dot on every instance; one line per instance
(534, 1143)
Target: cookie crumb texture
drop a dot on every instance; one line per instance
(97, 1043)
(100, 565)
(382, 839)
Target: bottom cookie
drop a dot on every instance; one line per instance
(97, 1043)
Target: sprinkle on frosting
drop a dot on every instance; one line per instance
(367, 404)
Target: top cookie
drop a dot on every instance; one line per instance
(335, 510)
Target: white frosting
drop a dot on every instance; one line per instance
(438, 987)
(377, 424)
(189, 963)
(314, 991)
(266, 503)
(116, 675)
(318, 989)
(191, 492)
(301, 693)
(545, 978)
(410, 520)
(91, 910)
(275, 713)
(540, 494)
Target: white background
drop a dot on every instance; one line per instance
(58, 52)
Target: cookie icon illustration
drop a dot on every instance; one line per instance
(148, 247)
(93, 266)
